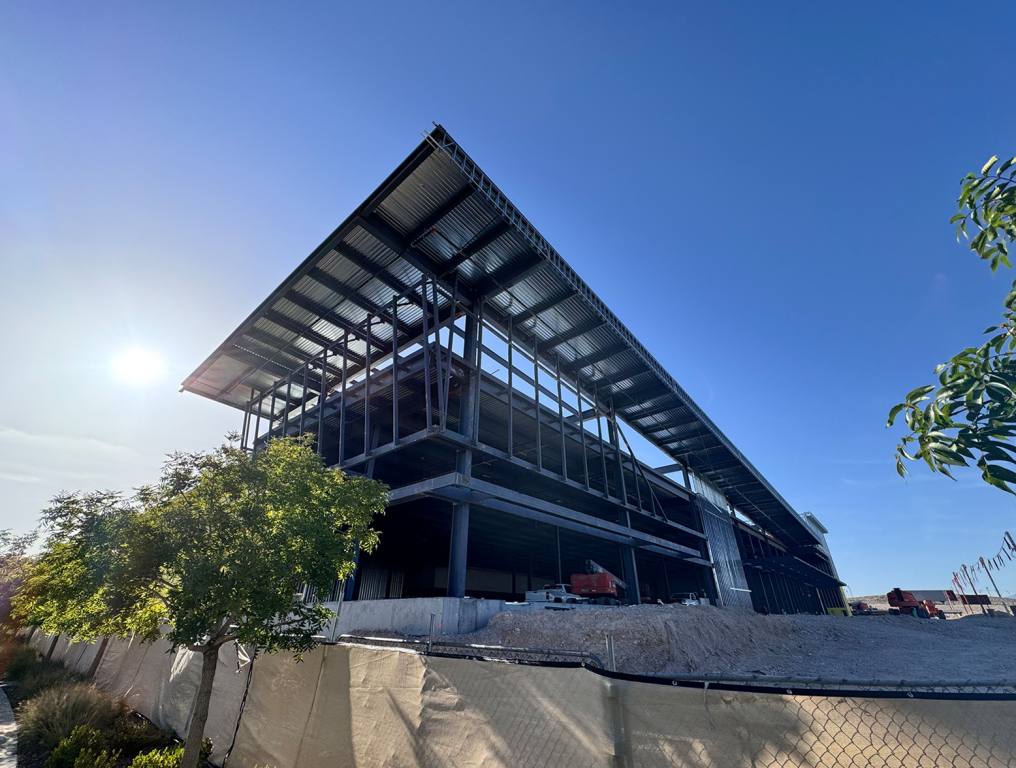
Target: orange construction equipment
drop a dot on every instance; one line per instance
(598, 584)
(908, 605)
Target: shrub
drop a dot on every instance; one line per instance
(22, 659)
(133, 734)
(102, 759)
(159, 758)
(51, 715)
(84, 738)
(169, 757)
(44, 675)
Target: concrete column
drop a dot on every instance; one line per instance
(631, 575)
(459, 549)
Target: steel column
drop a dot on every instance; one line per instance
(631, 575)
(582, 432)
(599, 436)
(342, 397)
(366, 391)
(303, 397)
(246, 421)
(536, 393)
(511, 374)
(395, 370)
(426, 354)
(560, 417)
(321, 402)
(257, 422)
(289, 400)
(458, 550)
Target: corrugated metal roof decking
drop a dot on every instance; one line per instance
(439, 215)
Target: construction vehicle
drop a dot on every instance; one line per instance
(686, 598)
(598, 585)
(554, 593)
(906, 604)
(861, 608)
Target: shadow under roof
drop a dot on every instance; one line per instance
(439, 216)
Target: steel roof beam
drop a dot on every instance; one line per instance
(323, 313)
(652, 430)
(506, 276)
(352, 295)
(469, 250)
(302, 357)
(256, 360)
(601, 354)
(633, 412)
(425, 226)
(274, 316)
(542, 306)
(377, 271)
(279, 346)
(329, 316)
(255, 363)
(390, 238)
(627, 373)
(572, 333)
(647, 391)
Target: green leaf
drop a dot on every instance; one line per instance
(1002, 473)
(894, 413)
(918, 393)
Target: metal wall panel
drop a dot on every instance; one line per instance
(730, 580)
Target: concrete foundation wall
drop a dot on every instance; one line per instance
(411, 616)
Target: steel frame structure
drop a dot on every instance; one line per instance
(435, 340)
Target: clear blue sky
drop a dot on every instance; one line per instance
(761, 191)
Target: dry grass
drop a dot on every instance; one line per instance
(51, 715)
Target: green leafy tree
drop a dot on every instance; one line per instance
(968, 418)
(213, 553)
(14, 562)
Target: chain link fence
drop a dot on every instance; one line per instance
(375, 701)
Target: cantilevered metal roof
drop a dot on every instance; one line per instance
(438, 216)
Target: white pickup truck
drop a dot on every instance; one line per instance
(554, 593)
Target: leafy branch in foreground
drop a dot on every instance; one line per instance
(969, 417)
(987, 202)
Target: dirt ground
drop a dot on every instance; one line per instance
(673, 639)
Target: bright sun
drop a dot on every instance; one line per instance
(138, 366)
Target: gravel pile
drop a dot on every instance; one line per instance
(661, 640)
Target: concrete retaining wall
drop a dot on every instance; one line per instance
(411, 616)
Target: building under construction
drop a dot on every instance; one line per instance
(437, 342)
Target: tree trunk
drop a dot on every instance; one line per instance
(94, 666)
(192, 747)
(52, 647)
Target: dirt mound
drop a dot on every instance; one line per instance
(664, 640)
